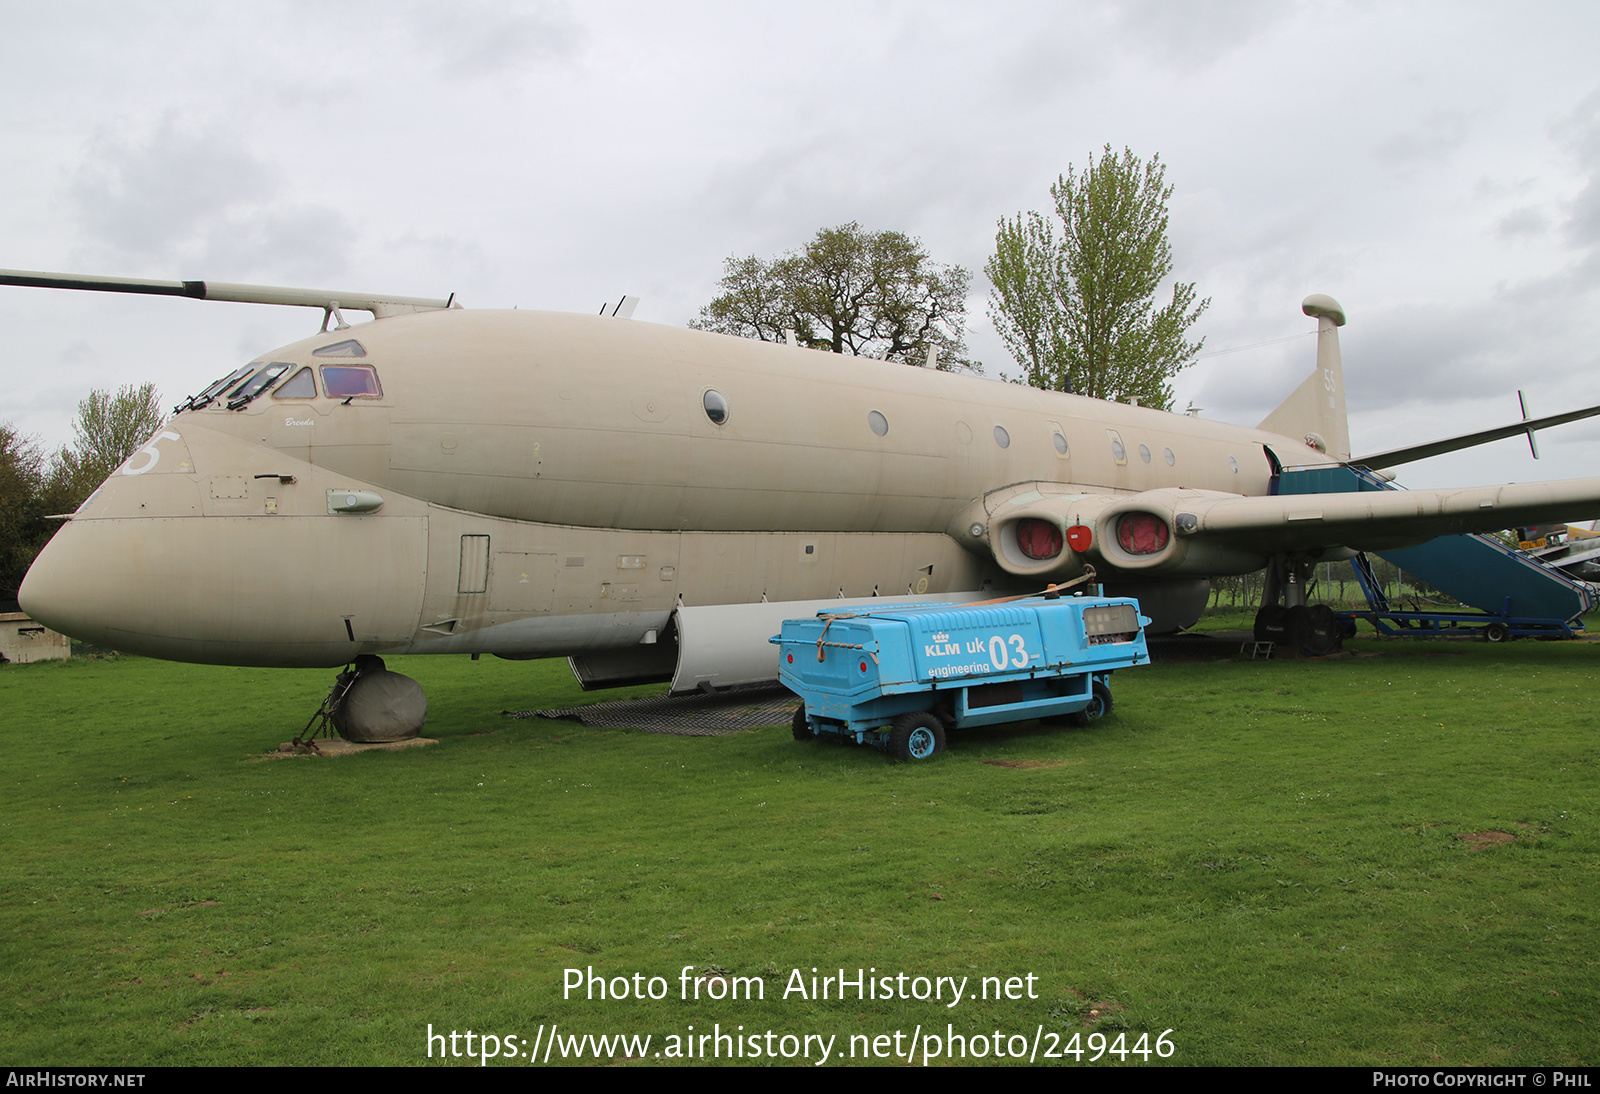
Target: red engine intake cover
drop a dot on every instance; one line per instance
(1038, 539)
(1142, 533)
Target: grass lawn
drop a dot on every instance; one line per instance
(1385, 858)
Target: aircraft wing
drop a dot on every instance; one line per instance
(1397, 456)
(1379, 519)
(1043, 531)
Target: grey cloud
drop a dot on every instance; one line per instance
(1077, 45)
(145, 197)
(305, 242)
(1583, 224)
(475, 41)
(1047, 65)
(1196, 34)
(1432, 142)
(194, 195)
(1581, 131)
(1526, 220)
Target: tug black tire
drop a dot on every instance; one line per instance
(801, 726)
(1099, 706)
(915, 736)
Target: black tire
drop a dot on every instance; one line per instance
(1497, 632)
(1098, 708)
(1294, 626)
(1270, 623)
(915, 736)
(1316, 632)
(801, 726)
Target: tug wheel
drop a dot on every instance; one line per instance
(1099, 706)
(802, 726)
(915, 736)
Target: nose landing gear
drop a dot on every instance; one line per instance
(369, 705)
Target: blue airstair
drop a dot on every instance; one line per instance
(1516, 594)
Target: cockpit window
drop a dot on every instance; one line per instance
(348, 348)
(256, 384)
(302, 385)
(202, 400)
(351, 381)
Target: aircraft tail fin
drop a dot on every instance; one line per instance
(1316, 410)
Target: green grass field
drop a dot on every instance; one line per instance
(1387, 858)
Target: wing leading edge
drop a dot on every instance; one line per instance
(1380, 519)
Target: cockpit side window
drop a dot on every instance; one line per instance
(351, 381)
(202, 400)
(302, 385)
(348, 348)
(256, 384)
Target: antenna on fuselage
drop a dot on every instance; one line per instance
(624, 308)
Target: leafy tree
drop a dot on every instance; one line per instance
(1078, 309)
(872, 294)
(108, 430)
(22, 529)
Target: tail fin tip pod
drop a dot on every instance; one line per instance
(1315, 411)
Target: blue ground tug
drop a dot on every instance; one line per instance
(898, 678)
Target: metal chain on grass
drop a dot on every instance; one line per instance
(341, 685)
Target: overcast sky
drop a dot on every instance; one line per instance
(1434, 167)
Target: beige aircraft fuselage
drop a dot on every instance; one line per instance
(534, 484)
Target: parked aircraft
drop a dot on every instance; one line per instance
(652, 501)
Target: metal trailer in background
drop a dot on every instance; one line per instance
(898, 678)
(1501, 626)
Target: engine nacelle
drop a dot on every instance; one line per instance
(1049, 537)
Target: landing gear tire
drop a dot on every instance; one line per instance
(801, 726)
(1271, 624)
(380, 706)
(1497, 632)
(1099, 706)
(915, 736)
(1315, 631)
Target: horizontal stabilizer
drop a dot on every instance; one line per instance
(1397, 456)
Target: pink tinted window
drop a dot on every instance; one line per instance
(345, 381)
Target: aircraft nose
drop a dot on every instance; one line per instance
(61, 590)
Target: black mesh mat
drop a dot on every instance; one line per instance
(685, 715)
